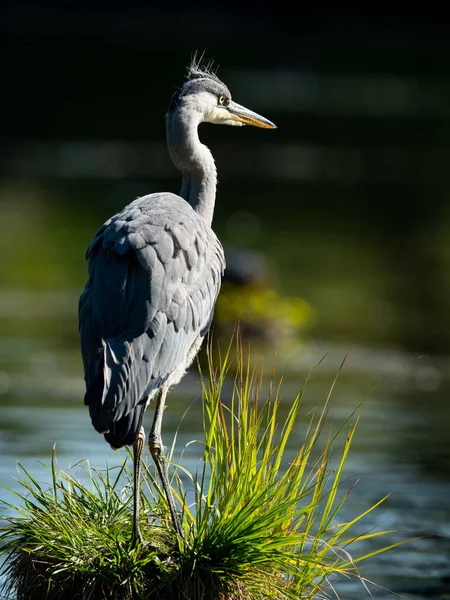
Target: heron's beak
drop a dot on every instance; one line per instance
(244, 116)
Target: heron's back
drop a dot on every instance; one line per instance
(154, 275)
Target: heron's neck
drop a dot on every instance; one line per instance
(196, 163)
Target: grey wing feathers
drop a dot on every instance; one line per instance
(154, 275)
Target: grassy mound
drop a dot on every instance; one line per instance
(264, 524)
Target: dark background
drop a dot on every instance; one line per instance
(347, 201)
(350, 194)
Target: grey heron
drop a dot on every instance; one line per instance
(154, 275)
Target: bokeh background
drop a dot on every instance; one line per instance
(337, 228)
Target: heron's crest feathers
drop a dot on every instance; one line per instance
(202, 68)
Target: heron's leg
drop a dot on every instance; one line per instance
(157, 452)
(137, 451)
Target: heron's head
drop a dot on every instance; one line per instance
(205, 98)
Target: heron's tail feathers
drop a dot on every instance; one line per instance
(123, 387)
(125, 431)
(118, 394)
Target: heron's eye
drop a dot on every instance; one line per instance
(223, 101)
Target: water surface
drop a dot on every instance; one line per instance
(401, 446)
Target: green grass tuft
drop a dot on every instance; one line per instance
(264, 524)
